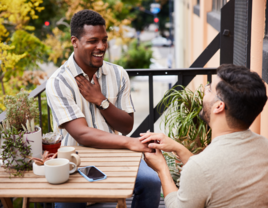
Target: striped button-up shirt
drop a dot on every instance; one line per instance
(67, 103)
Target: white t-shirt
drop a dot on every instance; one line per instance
(231, 172)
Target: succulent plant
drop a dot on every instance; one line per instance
(46, 156)
(19, 109)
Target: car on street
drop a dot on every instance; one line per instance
(161, 41)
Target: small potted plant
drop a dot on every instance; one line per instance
(21, 112)
(19, 131)
(183, 124)
(38, 164)
(51, 142)
(15, 150)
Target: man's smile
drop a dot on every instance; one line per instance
(98, 55)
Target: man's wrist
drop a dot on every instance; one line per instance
(163, 171)
(127, 142)
(99, 101)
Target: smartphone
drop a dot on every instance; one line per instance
(91, 173)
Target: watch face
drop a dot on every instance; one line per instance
(105, 104)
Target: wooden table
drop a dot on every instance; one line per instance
(120, 166)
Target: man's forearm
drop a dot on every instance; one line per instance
(183, 153)
(118, 119)
(167, 182)
(91, 137)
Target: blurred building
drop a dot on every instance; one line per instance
(198, 22)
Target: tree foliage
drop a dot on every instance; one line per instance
(115, 12)
(137, 56)
(19, 49)
(143, 18)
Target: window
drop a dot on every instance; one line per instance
(218, 4)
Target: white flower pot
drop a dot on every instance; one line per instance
(35, 140)
(38, 169)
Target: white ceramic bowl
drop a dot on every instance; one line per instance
(38, 170)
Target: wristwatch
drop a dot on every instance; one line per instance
(104, 104)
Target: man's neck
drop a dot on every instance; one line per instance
(90, 71)
(223, 131)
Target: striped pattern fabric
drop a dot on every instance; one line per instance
(67, 103)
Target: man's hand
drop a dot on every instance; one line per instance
(166, 144)
(156, 161)
(91, 92)
(135, 145)
(163, 142)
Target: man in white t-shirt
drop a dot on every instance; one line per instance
(233, 170)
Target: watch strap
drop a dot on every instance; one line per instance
(100, 106)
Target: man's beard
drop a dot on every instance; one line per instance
(93, 66)
(204, 114)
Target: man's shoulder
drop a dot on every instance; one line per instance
(112, 64)
(113, 67)
(62, 75)
(61, 72)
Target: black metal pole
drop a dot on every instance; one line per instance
(209, 77)
(40, 110)
(48, 118)
(171, 21)
(151, 103)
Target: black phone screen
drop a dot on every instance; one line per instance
(92, 172)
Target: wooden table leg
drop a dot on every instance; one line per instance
(121, 203)
(7, 203)
(25, 203)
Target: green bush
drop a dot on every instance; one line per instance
(136, 57)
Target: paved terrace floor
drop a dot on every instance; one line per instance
(97, 205)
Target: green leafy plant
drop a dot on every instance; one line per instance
(19, 109)
(183, 124)
(137, 56)
(15, 151)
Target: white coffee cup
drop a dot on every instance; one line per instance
(58, 170)
(69, 153)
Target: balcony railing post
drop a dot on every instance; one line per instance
(180, 78)
(209, 77)
(48, 118)
(151, 103)
(40, 110)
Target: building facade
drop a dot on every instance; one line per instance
(198, 22)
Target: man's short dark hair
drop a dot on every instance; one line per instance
(243, 92)
(84, 17)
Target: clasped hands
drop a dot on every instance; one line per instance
(157, 141)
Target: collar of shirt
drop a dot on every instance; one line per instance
(76, 70)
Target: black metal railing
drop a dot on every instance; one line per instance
(224, 42)
(184, 77)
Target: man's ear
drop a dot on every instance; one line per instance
(74, 41)
(219, 107)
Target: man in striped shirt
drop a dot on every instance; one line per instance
(91, 103)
